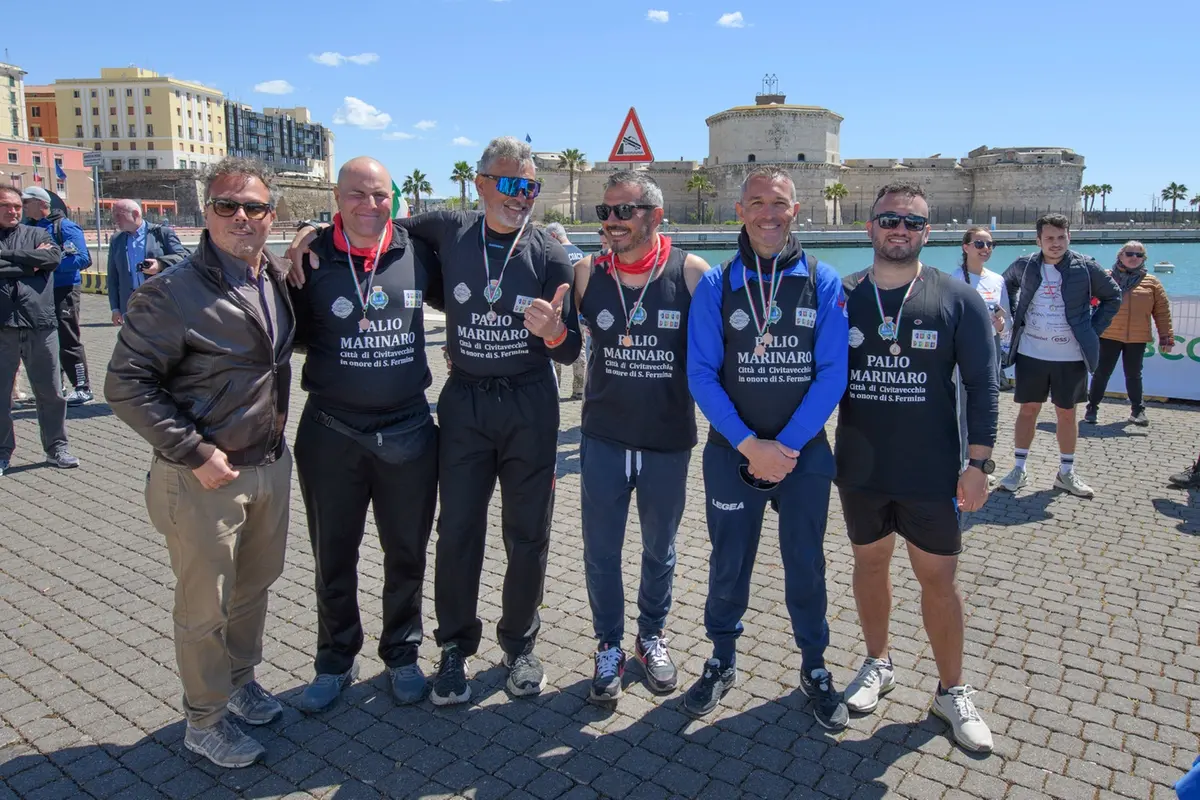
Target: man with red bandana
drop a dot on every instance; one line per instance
(638, 425)
(366, 436)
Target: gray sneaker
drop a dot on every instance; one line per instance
(224, 744)
(1013, 481)
(254, 705)
(1139, 419)
(1070, 482)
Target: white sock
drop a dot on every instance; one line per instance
(1066, 463)
(1022, 454)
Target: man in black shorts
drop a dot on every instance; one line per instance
(898, 446)
(1055, 342)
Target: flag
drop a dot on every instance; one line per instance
(58, 170)
(527, 139)
(37, 176)
(399, 204)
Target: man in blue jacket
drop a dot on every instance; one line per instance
(767, 354)
(1055, 342)
(141, 250)
(69, 237)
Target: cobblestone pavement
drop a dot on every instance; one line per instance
(1082, 639)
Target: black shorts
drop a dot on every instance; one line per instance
(1064, 382)
(930, 525)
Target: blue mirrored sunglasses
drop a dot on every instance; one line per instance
(515, 186)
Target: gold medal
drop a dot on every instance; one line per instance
(626, 341)
(760, 350)
(767, 338)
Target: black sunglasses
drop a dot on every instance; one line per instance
(624, 211)
(890, 219)
(760, 484)
(512, 186)
(1133, 254)
(227, 208)
(979, 244)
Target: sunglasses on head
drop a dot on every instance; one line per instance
(227, 208)
(1133, 254)
(760, 484)
(890, 219)
(624, 211)
(513, 187)
(980, 244)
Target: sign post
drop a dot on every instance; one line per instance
(631, 144)
(94, 159)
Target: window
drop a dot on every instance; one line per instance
(182, 161)
(58, 162)
(211, 152)
(800, 157)
(145, 92)
(112, 130)
(190, 134)
(149, 145)
(210, 137)
(149, 110)
(150, 129)
(78, 111)
(37, 160)
(112, 111)
(129, 92)
(36, 111)
(12, 156)
(116, 146)
(193, 164)
(133, 145)
(133, 130)
(95, 131)
(35, 131)
(61, 187)
(78, 131)
(116, 164)
(151, 163)
(12, 81)
(93, 93)
(75, 94)
(134, 163)
(112, 93)
(180, 129)
(96, 146)
(12, 97)
(95, 111)
(193, 147)
(751, 158)
(129, 111)
(189, 113)
(177, 93)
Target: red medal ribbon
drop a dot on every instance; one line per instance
(643, 265)
(369, 254)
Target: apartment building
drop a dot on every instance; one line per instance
(12, 102)
(283, 138)
(41, 114)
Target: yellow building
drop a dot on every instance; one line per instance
(142, 120)
(12, 102)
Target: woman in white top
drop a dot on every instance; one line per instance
(977, 248)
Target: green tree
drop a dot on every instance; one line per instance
(415, 185)
(571, 159)
(701, 185)
(1195, 201)
(462, 175)
(1088, 193)
(1105, 191)
(835, 193)
(1174, 192)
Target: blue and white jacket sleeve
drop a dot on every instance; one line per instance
(706, 355)
(75, 257)
(831, 354)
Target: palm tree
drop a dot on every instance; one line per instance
(1105, 191)
(1174, 192)
(835, 193)
(462, 174)
(571, 159)
(415, 185)
(1195, 201)
(1088, 193)
(701, 185)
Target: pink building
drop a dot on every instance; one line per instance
(24, 164)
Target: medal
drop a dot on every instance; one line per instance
(639, 312)
(369, 296)
(771, 310)
(491, 292)
(894, 349)
(889, 331)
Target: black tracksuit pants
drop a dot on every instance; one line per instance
(506, 429)
(70, 345)
(339, 478)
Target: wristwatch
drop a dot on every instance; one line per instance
(984, 465)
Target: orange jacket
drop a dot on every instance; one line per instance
(1132, 322)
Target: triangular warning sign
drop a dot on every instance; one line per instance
(631, 144)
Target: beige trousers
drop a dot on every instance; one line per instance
(227, 548)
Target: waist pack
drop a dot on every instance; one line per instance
(397, 444)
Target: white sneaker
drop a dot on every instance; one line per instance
(957, 708)
(1013, 481)
(876, 678)
(1070, 482)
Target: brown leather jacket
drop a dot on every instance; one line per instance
(1132, 322)
(194, 368)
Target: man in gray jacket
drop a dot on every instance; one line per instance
(1055, 342)
(29, 330)
(140, 251)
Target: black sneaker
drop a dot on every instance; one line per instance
(829, 707)
(1089, 416)
(62, 458)
(705, 693)
(1188, 479)
(652, 653)
(525, 674)
(450, 685)
(610, 669)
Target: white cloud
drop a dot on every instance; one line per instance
(274, 87)
(733, 20)
(463, 141)
(403, 135)
(361, 115)
(426, 125)
(332, 59)
(657, 16)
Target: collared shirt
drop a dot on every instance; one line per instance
(135, 253)
(258, 292)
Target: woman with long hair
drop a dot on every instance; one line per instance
(977, 247)
(1143, 299)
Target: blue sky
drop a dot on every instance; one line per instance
(434, 80)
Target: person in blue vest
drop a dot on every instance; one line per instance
(767, 351)
(638, 424)
(67, 235)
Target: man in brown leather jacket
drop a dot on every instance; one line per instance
(201, 372)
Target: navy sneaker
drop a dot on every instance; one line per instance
(325, 689)
(707, 692)
(408, 683)
(450, 684)
(829, 707)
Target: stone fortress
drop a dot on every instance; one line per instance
(1013, 184)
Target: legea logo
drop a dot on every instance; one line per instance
(1190, 350)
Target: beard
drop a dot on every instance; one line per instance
(505, 215)
(897, 253)
(638, 236)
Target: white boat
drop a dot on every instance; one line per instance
(1164, 266)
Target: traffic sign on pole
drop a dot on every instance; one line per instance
(93, 158)
(631, 144)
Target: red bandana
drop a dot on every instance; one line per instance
(368, 254)
(643, 265)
